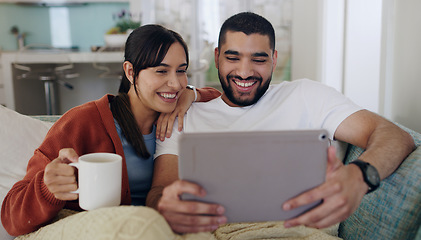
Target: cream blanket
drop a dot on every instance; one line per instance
(130, 222)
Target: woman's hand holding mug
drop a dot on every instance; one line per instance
(60, 178)
(99, 178)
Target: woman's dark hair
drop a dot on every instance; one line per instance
(145, 47)
(247, 23)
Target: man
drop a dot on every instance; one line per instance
(245, 59)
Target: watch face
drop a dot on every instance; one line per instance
(373, 176)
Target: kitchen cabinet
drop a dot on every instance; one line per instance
(55, 2)
(98, 73)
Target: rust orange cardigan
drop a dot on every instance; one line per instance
(87, 128)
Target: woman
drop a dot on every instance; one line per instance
(156, 61)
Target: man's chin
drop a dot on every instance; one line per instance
(243, 101)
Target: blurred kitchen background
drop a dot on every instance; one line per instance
(56, 54)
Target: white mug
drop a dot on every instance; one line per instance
(99, 180)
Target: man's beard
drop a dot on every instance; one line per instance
(228, 90)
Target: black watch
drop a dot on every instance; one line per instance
(370, 174)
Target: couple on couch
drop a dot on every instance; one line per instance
(154, 93)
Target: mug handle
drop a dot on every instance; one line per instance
(76, 165)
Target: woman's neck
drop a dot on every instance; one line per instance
(145, 117)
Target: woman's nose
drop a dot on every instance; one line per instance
(174, 82)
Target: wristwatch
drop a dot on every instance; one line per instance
(370, 174)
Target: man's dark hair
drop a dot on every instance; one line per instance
(248, 23)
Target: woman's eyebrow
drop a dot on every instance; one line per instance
(166, 65)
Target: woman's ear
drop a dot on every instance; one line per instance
(128, 71)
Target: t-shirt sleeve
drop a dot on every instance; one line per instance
(169, 145)
(327, 107)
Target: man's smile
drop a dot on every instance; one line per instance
(244, 84)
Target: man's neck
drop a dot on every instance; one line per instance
(228, 102)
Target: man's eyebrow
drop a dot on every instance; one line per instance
(260, 54)
(257, 54)
(231, 52)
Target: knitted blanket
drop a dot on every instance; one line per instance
(130, 222)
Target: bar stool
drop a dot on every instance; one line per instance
(50, 78)
(51, 75)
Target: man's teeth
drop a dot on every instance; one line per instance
(168, 95)
(244, 84)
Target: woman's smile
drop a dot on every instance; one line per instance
(169, 97)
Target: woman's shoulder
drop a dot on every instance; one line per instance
(76, 129)
(79, 112)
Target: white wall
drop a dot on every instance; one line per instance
(318, 41)
(406, 80)
(362, 55)
(306, 39)
(333, 42)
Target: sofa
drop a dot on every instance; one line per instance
(394, 210)
(391, 212)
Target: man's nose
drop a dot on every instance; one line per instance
(245, 69)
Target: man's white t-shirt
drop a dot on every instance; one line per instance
(299, 104)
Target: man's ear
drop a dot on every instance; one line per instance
(128, 70)
(216, 57)
(274, 60)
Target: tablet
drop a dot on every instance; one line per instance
(252, 174)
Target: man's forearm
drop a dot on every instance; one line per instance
(387, 147)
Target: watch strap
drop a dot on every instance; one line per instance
(363, 165)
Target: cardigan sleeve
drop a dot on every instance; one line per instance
(29, 205)
(208, 93)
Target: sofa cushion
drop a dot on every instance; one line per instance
(20, 135)
(392, 211)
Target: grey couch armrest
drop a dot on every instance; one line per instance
(393, 211)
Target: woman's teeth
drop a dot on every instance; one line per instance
(244, 84)
(168, 95)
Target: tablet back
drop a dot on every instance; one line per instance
(253, 173)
